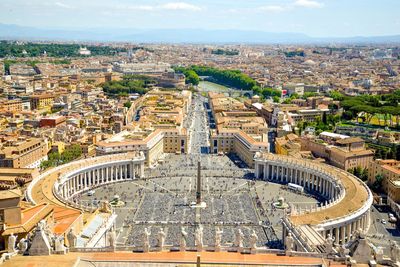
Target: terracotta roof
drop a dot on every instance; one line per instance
(349, 140)
(30, 218)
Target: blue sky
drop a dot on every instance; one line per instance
(318, 18)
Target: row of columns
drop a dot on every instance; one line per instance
(306, 178)
(342, 234)
(101, 175)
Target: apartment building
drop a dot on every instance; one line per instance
(347, 153)
(14, 105)
(153, 142)
(24, 153)
(44, 101)
(238, 129)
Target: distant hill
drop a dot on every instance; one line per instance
(9, 31)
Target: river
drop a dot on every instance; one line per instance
(205, 86)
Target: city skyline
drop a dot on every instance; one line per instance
(315, 18)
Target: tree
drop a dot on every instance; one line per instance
(128, 104)
(377, 185)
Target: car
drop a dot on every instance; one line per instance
(91, 193)
(383, 221)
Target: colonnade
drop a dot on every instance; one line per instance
(325, 181)
(343, 233)
(88, 178)
(308, 178)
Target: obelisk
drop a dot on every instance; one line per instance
(198, 191)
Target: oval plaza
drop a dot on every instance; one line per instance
(344, 211)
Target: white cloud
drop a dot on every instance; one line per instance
(308, 3)
(180, 6)
(167, 6)
(140, 7)
(62, 5)
(272, 8)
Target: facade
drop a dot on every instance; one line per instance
(39, 102)
(11, 105)
(52, 121)
(153, 144)
(344, 153)
(389, 172)
(238, 142)
(28, 153)
(238, 129)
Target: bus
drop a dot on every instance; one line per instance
(295, 187)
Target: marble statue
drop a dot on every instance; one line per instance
(23, 245)
(161, 239)
(289, 243)
(329, 244)
(199, 238)
(218, 239)
(343, 251)
(253, 241)
(12, 239)
(182, 244)
(112, 239)
(105, 207)
(239, 240)
(146, 242)
(394, 251)
(71, 238)
(59, 245)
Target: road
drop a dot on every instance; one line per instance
(199, 142)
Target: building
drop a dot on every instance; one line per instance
(288, 145)
(84, 51)
(153, 143)
(388, 172)
(26, 153)
(347, 153)
(11, 177)
(52, 121)
(14, 105)
(238, 129)
(44, 101)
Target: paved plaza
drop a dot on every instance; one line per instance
(234, 200)
(163, 198)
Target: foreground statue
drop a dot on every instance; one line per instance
(183, 241)
(239, 240)
(199, 238)
(253, 242)
(146, 242)
(218, 239)
(12, 239)
(161, 239)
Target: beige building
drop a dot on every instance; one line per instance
(27, 153)
(347, 153)
(153, 143)
(44, 101)
(11, 105)
(238, 130)
(390, 171)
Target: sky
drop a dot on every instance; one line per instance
(316, 18)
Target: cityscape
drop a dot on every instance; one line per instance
(145, 143)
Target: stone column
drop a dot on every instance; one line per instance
(337, 235)
(342, 234)
(348, 231)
